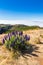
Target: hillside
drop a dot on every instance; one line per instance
(5, 28)
(34, 57)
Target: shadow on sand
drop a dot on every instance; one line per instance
(28, 52)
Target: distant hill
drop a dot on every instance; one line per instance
(5, 28)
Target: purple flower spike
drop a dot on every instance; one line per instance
(16, 32)
(5, 37)
(20, 33)
(8, 34)
(3, 41)
(27, 37)
(9, 37)
(13, 33)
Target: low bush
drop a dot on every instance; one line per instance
(16, 41)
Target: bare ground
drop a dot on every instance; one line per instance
(34, 58)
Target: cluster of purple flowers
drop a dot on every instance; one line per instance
(16, 38)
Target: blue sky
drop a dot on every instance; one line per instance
(31, 10)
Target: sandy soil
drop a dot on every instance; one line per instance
(36, 58)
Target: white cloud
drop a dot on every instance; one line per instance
(25, 22)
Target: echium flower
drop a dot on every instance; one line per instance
(8, 34)
(27, 37)
(13, 33)
(3, 41)
(5, 37)
(9, 37)
(16, 32)
(21, 33)
(16, 40)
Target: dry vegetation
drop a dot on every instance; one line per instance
(34, 58)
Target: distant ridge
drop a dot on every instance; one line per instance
(5, 28)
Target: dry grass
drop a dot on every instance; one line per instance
(35, 37)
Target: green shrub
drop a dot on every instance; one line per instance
(16, 41)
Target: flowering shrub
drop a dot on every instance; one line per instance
(16, 41)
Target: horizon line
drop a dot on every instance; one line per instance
(24, 22)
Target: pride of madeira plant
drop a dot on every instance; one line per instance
(16, 41)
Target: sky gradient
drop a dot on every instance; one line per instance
(21, 10)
